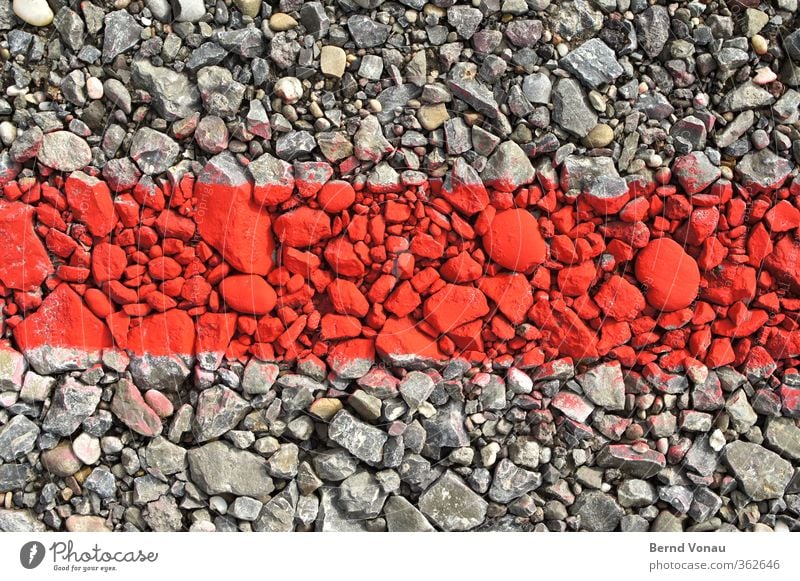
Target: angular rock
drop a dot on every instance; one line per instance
(597, 511)
(451, 505)
(129, 406)
(363, 441)
(174, 95)
(218, 411)
(761, 473)
(571, 110)
(593, 63)
(219, 468)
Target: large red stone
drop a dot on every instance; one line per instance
(401, 342)
(513, 241)
(228, 218)
(108, 262)
(671, 276)
(90, 201)
(453, 306)
(511, 293)
(619, 299)
(24, 264)
(248, 294)
(214, 334)
(63, 320)
(302, 227)
(168, 333)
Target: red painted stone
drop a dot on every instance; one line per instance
(513, 241)
(62, 320)
(229, 220)
(248, 294)
(90, 201)
(671, 276)
(24, 264)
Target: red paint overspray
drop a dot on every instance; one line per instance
(361, 274)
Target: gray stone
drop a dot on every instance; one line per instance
(464, 19)
(451, 505)
(147, 489)
(763, 170)
(510, 482)
(163, 515)
(334, 465)
(284, 462)
(640, 462)
(745, 96)
(174, 96)
(221, 95)
(597, 511)
(740, 412)
(247, 42)
(245, 508)
(160, 372)
(17, 438)
(121, 33)
(259, 377)
(219, 468)
(277, 515)
(394, 98)
(101, 482)
(70, 26)
(12, 369)
(636, 493)
(701, 457)
(593, 63)
(403, 517)
(508, 168)
(154, 152)
(761, 473)
(462, 80)
(654, 105)
(735, 129)
(652, 29)
(166, 457)
(218, 410)
(64, 151)
(604, 385)
(72, 403)
(315, 20)
(366, 32)
(784, 437)
(369, 144)
(294, 144)
(446, 428)
(537, 88)
(576, 19)
(705, 504)
(571, 110)
(678, 497)
(416, 387)
(330, 518)
(365, 442)
(361, 496)
(20, 521)
(188, 10)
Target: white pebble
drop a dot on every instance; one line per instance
(289, 89)
(34, 12)
(8, 133)
(86, 449)
(94, 88)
